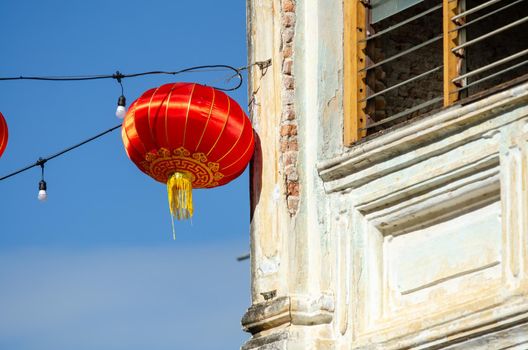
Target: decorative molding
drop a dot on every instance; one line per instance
(295, 309)
(475, 324)
(274, 341)
(266, 315)
(351, 169)
(437, 215)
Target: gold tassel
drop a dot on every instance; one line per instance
(179, 188)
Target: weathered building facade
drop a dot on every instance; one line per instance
(413, 237)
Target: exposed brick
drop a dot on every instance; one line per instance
(287, 51)
(288, 113)
(287, 66)
(288, 19)
(288, 82)
(291, 173)
(288, 6)
(290, 158)
(289, 145)
(293, 188)
(288, 97)
(288, 130)
(287, 35)
(406, 66)
(293, 204)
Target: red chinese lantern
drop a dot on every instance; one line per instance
(3, 134)
(187, 136)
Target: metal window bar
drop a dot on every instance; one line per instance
(486, 15)
(492, 65)
(491, 76)
(406, 112)
(412, 79)
(403, 83)
(381, 32)
(403, 53)
(459, 78)
(487, 35)
(461, 37)
(475, 9)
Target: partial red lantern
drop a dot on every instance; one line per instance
(3, 134)
(188, 136)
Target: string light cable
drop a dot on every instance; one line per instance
(121, 109)
(118, 76)
(42, 161)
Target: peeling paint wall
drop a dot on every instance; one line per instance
(415, 239)
(432, 224)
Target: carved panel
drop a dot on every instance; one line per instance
(439, 229)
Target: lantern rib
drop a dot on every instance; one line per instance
(133, 147)
(187, 114)
(207, 122)
(131, 126)
(236, 142)
(3, 125)
(148, 117)
(166, 112)
(223, 127)
(241, 157)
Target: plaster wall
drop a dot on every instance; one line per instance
(414, 239)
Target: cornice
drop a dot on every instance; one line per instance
(350, 170)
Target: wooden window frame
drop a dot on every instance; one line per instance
(355, 18)
(355, 30)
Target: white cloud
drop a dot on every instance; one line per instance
(123, 298)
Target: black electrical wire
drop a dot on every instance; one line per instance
(41, 161)
(263, 65)
(119, 76)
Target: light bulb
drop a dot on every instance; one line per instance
(120, 112)
(42, 195)
(121, 107)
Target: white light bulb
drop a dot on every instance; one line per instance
(120, 112)
(121, 107)
(42, 195)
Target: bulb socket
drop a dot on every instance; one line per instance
(42, 185)
(121, 101)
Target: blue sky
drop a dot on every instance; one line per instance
(95, 266)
